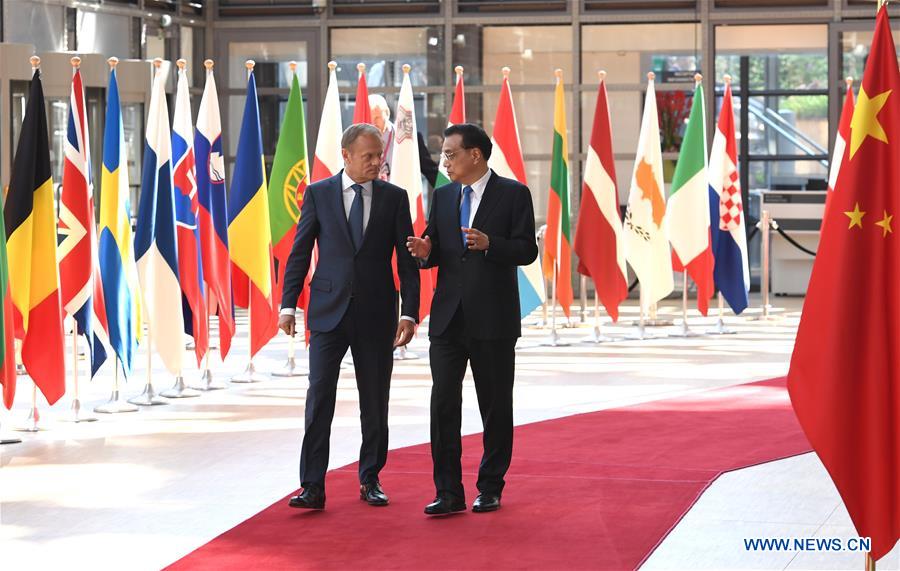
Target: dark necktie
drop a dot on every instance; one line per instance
(355, 220)
(465, 211)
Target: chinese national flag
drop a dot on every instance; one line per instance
(844, 379)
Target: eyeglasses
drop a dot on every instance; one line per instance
(449, 156)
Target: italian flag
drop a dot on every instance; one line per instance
(558, 240)
(687, 212)
(457, 115)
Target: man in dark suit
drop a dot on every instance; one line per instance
(358, 222)
(481, 227)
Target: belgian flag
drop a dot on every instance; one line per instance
(30, 217)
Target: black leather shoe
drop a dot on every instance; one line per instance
(443, 505)
(310, 499)
(372, 494)
(486, 503)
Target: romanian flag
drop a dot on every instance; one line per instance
(187, 213)
(558, 239)
(290, 176)
(118, 271)
(457, 116)
(7, 330)
(213, 217)
(249, 233)
(79, 273)
(362, 112)
(30, 217)
(844, 379)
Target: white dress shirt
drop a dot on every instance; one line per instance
(477, 192)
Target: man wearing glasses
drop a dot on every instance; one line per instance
(481, 227)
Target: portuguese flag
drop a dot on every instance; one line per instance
(290, 176)
(558, 241)
(7, 349)
(457, 115)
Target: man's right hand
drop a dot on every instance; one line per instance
(419, 247)
(287, 323)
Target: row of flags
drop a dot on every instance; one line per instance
(699, 230)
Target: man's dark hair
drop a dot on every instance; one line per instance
(473, 137)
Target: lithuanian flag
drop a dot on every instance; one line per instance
(558, 239)
(30, 217)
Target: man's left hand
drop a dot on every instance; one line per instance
(476, 239)
(405, 331)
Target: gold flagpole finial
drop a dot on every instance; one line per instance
(113, 62)
(157, 63)
(458, 70)
(361, 68)
(406, 68)
(651, 76)
(35, 62)
(208, 64)
(505, 71)
(76, 62)
(727, 79)
(881, 4)
(181, 63)
(601, 75)
(332, 65)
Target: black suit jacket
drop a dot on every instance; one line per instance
(341, 272)
(486, 283)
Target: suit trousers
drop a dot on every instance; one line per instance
(493, 363)
(373, 362)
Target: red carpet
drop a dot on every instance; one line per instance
(592, 491)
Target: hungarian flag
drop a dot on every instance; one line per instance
(7, 329)
(506, 160)
(30, 218)
(844, 379)
(687, 213)
(362, 113)
(840, 141)
(249, 230)
(598, 238)
(407, 174)
(187, 212)
(81, 289)
(557, 240)
(646, 245)
(121, 289)
(213, 211)
(155, 241)
(731, 270)
(457, 116)
(290, 176)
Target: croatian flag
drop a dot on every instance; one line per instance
(729, 239)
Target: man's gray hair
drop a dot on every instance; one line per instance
(357, 130)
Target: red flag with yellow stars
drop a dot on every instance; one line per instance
(844, 380)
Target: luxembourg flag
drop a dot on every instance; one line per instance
(213, 211)
(81, 287)
(155, 241)
(506, 160)
(731, 271)
(187, 210)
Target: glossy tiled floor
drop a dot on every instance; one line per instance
(140, 490)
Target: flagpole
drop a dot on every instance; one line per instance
(250, 375)
(290, 369)
(76, 402)
(206, 376)
(114, 405)
(596, 335)
(148, 397)
(34, 416)
(584, 309)
(685, 329)
(870, 562)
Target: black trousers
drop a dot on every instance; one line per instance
(493, 365)
(373, 361)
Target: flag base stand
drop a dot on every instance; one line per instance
(32, 422)
(721, 329)
(76, 415)
(179, 390)
(148, 397)
(20, 370)
(10, 441)
(291, 370)
(402, 354)
(597, 337)
(250, 375)
(766, 316)
(208, 383)
(115, 405)
(685, 331)
(554, 340)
